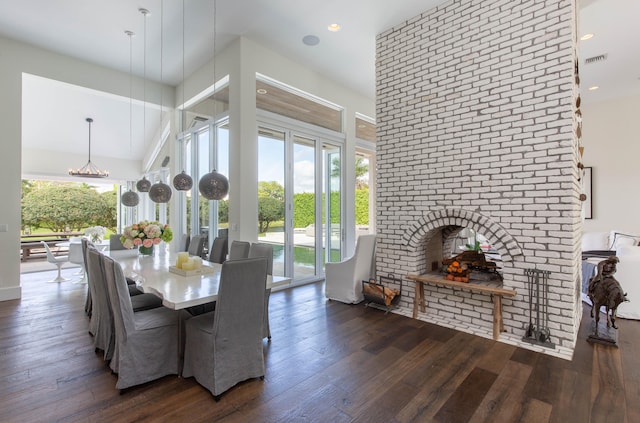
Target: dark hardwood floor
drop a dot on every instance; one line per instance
(327, 362)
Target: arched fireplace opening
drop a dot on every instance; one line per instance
(434, 237)
(474, 304)
(469, 255)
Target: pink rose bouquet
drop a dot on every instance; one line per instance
(146, 234)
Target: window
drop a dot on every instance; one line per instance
(365, 175)
(205, 148)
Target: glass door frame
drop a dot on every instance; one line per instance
(369, 149)
(321, 136)
(211, 126)
(327, 174)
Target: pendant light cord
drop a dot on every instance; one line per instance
(215, 28)
(161, 60)
(183, 119)
(144, 12)
(130, 34)
(89, 120)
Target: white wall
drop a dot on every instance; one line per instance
(10, 122)
(612, 148)
(53, 165)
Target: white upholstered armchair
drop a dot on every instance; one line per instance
(344, 279)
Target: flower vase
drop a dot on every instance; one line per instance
(96, 239)
(145, 251)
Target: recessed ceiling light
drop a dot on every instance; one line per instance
(334, 27)
(593, 87)
(586, 37)
(310, 40)
(261, 91)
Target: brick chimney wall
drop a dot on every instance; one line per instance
(476, 128)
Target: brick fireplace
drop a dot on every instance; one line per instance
(475, 123)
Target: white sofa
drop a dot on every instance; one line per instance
(625, 247)
(628, 274)
(608, 241)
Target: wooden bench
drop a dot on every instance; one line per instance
(51, 238)
(63, 236)
(26, 248)
(436, 278)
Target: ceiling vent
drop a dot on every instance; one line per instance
(595, 59)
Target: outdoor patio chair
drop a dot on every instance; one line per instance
(57, 260)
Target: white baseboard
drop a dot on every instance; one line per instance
(10, 293)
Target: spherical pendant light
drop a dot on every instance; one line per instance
(160, 192)
(143, 185)
(182, 182)
(130, 199)
(214, 186)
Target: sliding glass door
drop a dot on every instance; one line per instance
(332, 195)
(304, 207)
(271, 194)
(299, 200)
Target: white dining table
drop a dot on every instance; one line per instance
(152, 274)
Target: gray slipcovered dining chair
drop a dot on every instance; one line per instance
(183, 245)
(101, 323)
(260, 249)
(115, 243)
(146, 342)
(57, 260)
(87, 303)
(142, 303)
(196, 245)
(219, 250)
(239, 250)
(224, 347)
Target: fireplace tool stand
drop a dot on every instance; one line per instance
(538, 330)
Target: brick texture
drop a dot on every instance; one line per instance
(475, 123)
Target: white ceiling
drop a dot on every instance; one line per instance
(93, 31)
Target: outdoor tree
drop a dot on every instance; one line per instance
(361, 171)
(269, 210)
(362, 188)
(271, 189)
(270, 204)
(61, 207)
(223, 211)
(27, 186)
(109, 216)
